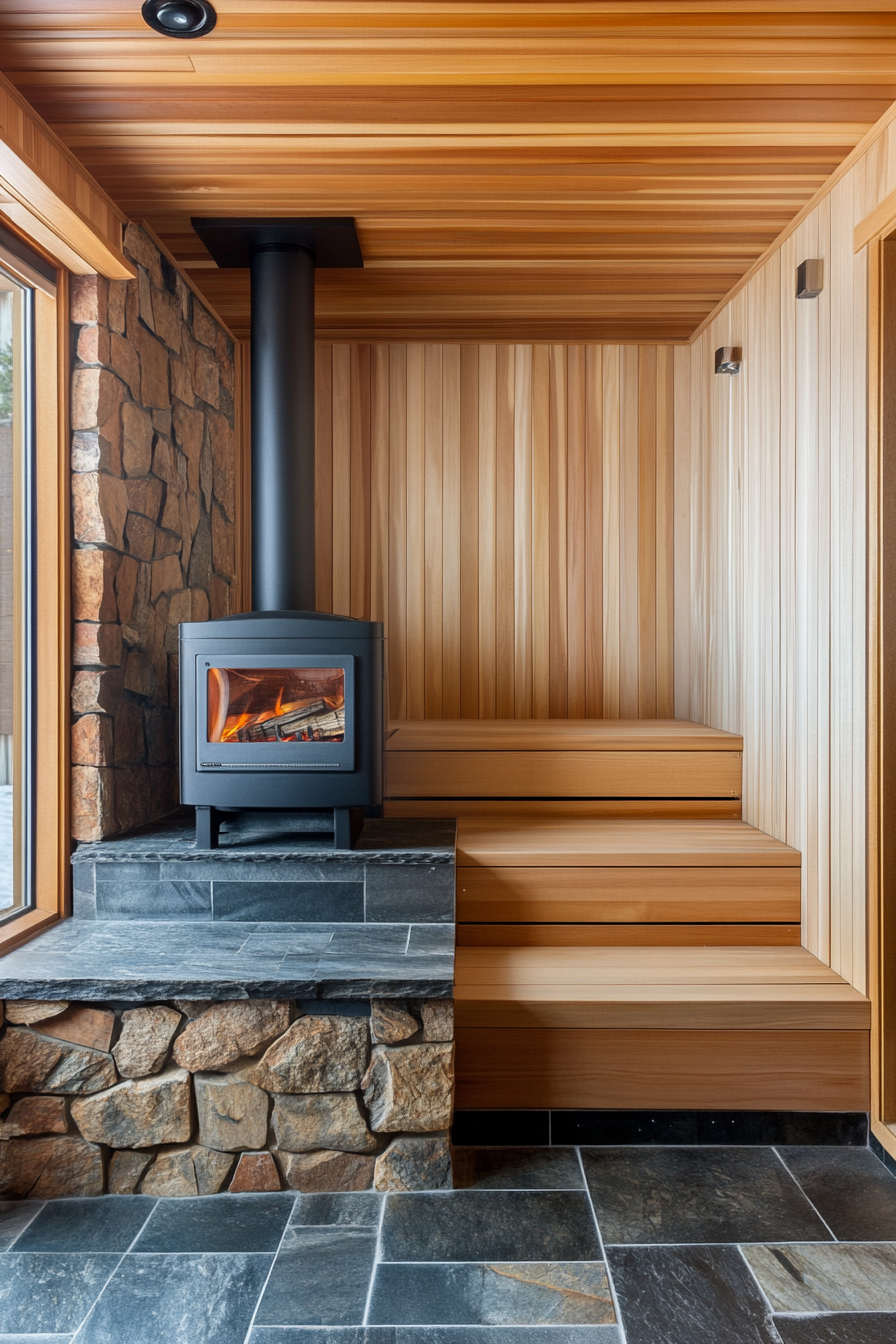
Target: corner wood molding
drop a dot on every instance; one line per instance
(50, 197)
(881, 220)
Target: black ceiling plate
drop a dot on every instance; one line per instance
(334, 242)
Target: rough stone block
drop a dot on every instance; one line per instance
(92, 740)
(130, 746)
(93, 585)
(30, 1062)
(139, 675)
(415, 1163)
(88, 454)
(93, 802)
(317, 1054)
(118, 290)
(181, 383)
(172, 1176)
(35, 1115)
(205, 328)
(81, 1025)
(166, 576)
(140, 248)
(168, 320)
(226, 1031)
(166, 543)
(199, 605)
(222, 543)
(161, 736)
(153, 369)
(97, 645)
(322, 1120)
(132, 796)
(193, 1008)
(438, 1020)
(410, 1087)
(146, 1035)
(140, 535)
(164, 464)
(50, 1168)
(212, 1168)
(88, 298)
(138, 1114)
(255, 1171)
(327, 1171)
(96, 692)
(125, 1171)
(136, 447)
(93, 345)
(204, 374)
(123, 358)
(99, 508)
(23, 1012)
(390, 1022)
(233, 1115)
(126, 586)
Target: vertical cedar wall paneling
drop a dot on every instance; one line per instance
(507, 512)
(771, 536)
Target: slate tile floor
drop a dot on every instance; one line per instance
(633, 1245)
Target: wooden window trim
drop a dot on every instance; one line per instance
(52, 616)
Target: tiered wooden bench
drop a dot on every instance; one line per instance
(624, 939)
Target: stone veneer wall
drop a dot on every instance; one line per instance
(188, 1098)
(153, 499)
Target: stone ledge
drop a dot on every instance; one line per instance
(142, 961)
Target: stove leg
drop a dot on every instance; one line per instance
(208, 822)
(347, 826)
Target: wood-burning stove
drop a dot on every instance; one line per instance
(282, 708)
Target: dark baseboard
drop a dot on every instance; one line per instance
(595, 1128)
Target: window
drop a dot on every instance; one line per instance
(16, 596)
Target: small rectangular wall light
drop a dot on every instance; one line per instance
(810, 278)
(728, 359)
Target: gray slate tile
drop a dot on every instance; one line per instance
(831, 1276)
(438, 1334)
(516, 1169)
(683, 1195)
(860, 1328)
(139, 900)
(50, 1293)
(36, 1339)
(289, 902)
(15, 1217)
(322, 1278)
(347, 1210)
(688, 1295)
(489, 1225)
(401, 892)
(178, 1299)
(427, 939)
(853, 1192)
(492, 1294)
(217, 1223)
(110, 1223)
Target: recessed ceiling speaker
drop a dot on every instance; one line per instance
(180, 18)
(728, 359)
(810, 278)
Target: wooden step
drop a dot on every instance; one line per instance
(665, 1027)
(554, 842)
(628, 935)
(561, 759)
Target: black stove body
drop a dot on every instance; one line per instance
(281, 710)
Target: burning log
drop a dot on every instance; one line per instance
(317, 722)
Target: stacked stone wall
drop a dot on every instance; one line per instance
(153, 505)
(187, 1098)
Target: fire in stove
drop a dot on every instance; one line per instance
(250, 704)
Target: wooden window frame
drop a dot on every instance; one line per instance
(52, 608)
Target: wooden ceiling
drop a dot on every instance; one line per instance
(564, 170)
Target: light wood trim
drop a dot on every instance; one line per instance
(884, 1134)
(577, 842)
(628, 895)
(628, 935)
(42, 180)
(876, 224)
(558, 734)
(52, 869)
(693, 808)
(687, 1070)
(522, 973)
(563, 774)
(867, 140)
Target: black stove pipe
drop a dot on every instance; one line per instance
(283, 577)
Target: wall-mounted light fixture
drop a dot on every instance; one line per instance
(728, 359)
(810, 278)
(180, 18)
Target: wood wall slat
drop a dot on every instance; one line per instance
(507, 512)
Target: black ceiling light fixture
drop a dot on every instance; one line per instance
(180, 18)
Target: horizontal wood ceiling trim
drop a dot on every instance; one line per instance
(573, 171)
